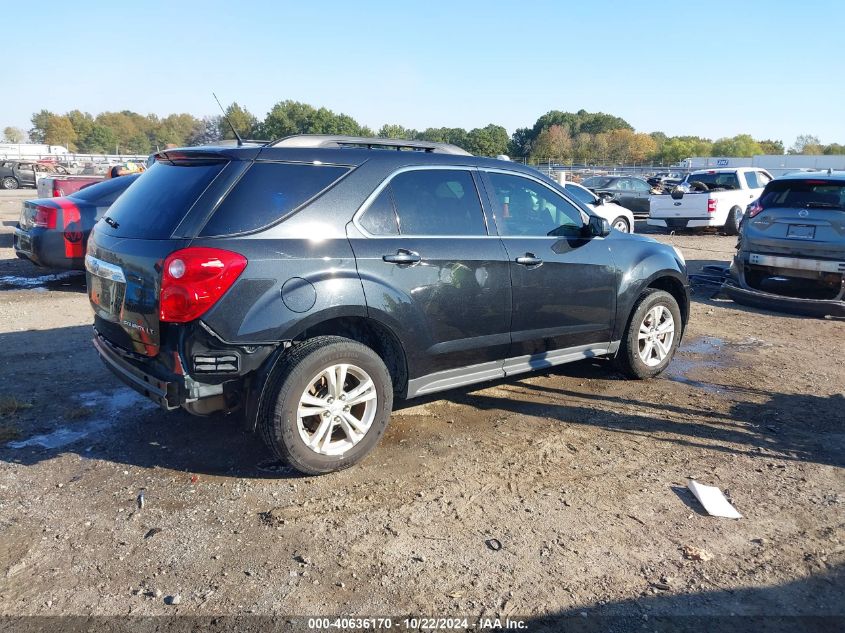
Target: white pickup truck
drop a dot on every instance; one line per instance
(709, 197)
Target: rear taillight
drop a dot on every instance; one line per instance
(755, 209)
(711, 205)
(45, 217)
(194, 279)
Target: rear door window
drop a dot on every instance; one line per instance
(380, 216)
(751, 179)
(155, 204)
(267, 192)
(437, 202)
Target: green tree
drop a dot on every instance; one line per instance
(60, 132)
(834, 148)
(13, 135)
(82, 123)
(454, 135)
(520, 143)
(491, 140)
(206, 133)
(739, 145)
(553, 143)
(771, 147)
(804, 142)
(287, 118)
(101, 140)
(678, 148)
(392, 130)
(242, 119)
(39, 125)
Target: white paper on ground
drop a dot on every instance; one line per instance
(713, 500)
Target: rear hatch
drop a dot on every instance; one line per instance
(129, 244)
(799, 217)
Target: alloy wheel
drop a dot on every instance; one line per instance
(336, 409)
(657, 332)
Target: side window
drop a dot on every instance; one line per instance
(762, 179)
(640, 186)
(380, 216)
(751, 179)
(266, 193)
(525, 207)
(437, 202)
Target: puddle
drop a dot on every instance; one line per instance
(109, 408)
(704, 345)
(12, 282)
(682, 365)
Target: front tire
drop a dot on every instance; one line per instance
(621, 225)
(652, 336)
(332, 399)
(10, 182)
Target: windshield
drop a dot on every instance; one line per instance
(597, 182)
(810, 193)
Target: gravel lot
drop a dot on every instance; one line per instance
(580, 476)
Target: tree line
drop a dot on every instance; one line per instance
(562, 137)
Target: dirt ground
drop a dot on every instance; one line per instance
(577, 473)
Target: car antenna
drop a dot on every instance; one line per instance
(229, 121)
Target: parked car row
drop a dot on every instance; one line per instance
(305, 283)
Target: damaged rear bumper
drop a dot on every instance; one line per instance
(169, 392)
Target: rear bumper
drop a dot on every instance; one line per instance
(792, 305)
(684, 223)
(168, 394)
(45, 247)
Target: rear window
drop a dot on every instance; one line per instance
(810, 193)
(266, 193)
(155, 204)
(715, 181)
(103, 193)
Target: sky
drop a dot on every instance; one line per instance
(713, 68)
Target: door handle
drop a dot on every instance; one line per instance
(402, 256)
(529, 259)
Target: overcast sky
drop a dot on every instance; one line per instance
(712, 68)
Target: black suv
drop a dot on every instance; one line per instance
(307, 281)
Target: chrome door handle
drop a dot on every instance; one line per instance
(402, 256)
(529, 259)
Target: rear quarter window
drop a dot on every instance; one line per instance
(266, 193)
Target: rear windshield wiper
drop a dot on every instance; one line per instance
(823, 205)
(111, 222)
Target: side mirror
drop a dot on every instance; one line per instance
(600, 200)
(598, 227)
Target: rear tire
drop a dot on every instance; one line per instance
(732, 223)
(9, 182)
(652, 336)
(308, 424)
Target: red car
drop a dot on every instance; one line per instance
(53, 232)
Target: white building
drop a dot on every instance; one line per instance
(775, 164)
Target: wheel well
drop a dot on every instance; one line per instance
(374, 335)
(675, 288)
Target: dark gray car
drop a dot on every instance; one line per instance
(791, 253)
(308, 281)
(632, 193)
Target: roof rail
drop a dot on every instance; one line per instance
(327, 140)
